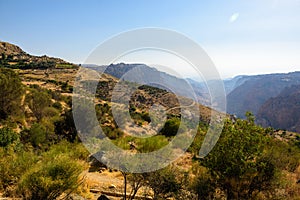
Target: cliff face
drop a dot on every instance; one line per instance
(254, 92)
(282, 111)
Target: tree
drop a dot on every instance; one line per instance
(66, 127)
(7, 137)
(163, 182)
(171, 127)
(10, 93)
(38, 101)
(51, 178)
(238, 163)
(38, 135)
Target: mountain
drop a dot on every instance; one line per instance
(12, 56)
(282, 111)
(151, 76)
(231, 84)
(256, 90)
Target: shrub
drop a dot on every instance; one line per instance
(38, 101)
(10, 93)
(163, 182)
(171, 127)
(12, 166)
(7, 137)
(57, 105)
(57, 172)
(48, 180)
(151, 144)
(238, 163)
(37, 135)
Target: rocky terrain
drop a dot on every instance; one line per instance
(282, 111)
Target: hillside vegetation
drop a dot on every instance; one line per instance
(42, 157)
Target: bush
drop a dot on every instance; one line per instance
(238, 163)
(146, 145)
(57, 172)
(202, 184)
(7, 137)
(10, 93)
(38, 100)
(163, 182)
(171, 127)
(48, 180)
(57, 105)
(36, 135)
(65, 127)
(12, 166)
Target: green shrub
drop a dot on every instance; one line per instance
(37, 135)
(238, 163)
(7, 137)
(57, 105)
(48, 180)
(38, 100)
(65, 127)
(163, 182)
(50, 112)
(12, 166)
(151, 144)
(171, 127)
(57, 171)
(10, 93)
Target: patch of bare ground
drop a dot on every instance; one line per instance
(110, 183)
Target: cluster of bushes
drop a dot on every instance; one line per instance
(246, 163)
(43, 160)
(47, 175)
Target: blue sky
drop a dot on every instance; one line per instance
(241, 37)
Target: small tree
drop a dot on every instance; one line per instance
(171, 127)
(238, 163)
(51, 178)
(65, 127)
(163, 182)
(38, 101)
(10, 93)
(7, 137)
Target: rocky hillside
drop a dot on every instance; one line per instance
(165, 80)
(282, 111)
(256, 90)
(12, 56)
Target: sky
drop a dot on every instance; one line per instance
(241, 37)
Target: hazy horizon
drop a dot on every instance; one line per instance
(241, 38)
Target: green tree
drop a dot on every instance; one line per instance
(38, 100)
(51, 178)
(38, 136)
(65, 127)
(10, 93)
(238, 163)
(7, 137)
(163, 182)
(171, 127)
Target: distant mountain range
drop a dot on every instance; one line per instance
(256, 90)
(142, 73)
(244, 93)
(272, 98)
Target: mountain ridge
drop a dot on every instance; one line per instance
(12, 56)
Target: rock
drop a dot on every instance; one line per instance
(103, 197)
(75, 197)
(112, 186)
